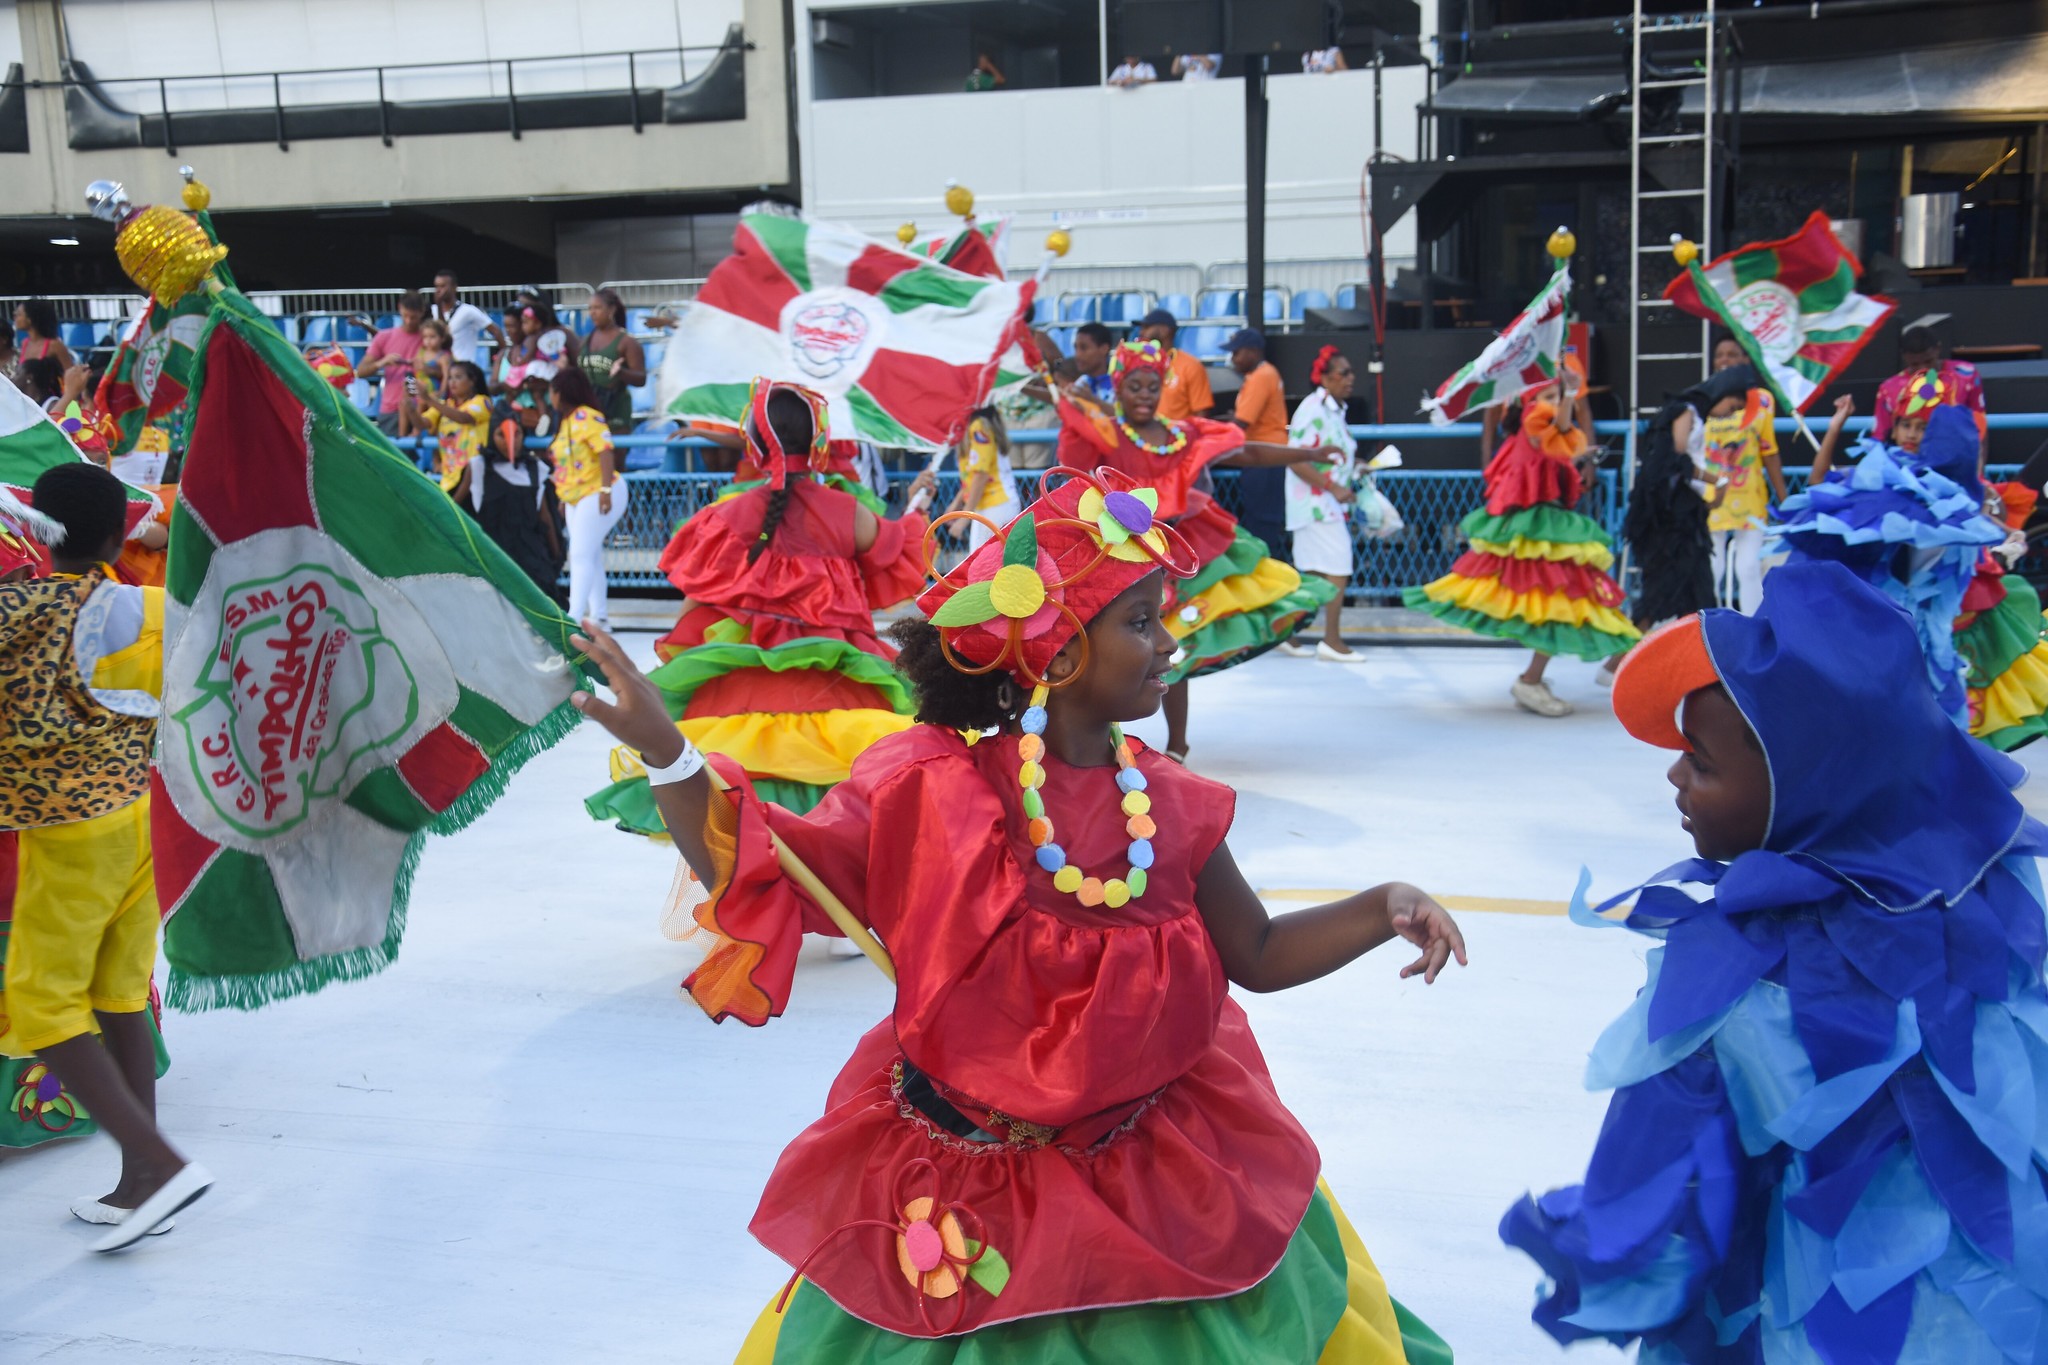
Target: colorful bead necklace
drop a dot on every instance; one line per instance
(1172, 447)
(1136, 807)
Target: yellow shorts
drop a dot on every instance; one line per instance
(84, 931)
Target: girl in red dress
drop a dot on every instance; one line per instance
(1063, 1143)
(1239, 602)
(775, 662)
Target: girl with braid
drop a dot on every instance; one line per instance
(775, 662)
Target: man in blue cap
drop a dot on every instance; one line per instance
(1262, 412)
(1186, 391)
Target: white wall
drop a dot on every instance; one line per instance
(152, 38)
(1148, 175)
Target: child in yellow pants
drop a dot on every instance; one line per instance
(81, 666)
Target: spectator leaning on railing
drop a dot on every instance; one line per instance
(389, 359)
(1134, 72)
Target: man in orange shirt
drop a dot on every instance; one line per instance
(1186, 393)
(1262, 412)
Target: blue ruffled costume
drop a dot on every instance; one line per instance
(1831, 1099)
(1914, 528)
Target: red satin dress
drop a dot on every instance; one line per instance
(1090, 438)
(1141, 1153)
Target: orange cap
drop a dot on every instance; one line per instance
(1656, 676)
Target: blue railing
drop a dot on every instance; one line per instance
(1431, 501)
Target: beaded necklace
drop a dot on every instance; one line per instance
(1136, 807)
(1172, 447)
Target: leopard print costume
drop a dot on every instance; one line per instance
(64, 756)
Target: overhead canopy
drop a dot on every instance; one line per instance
(1999, 80)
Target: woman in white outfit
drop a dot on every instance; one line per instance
(588, 483)
(1318, 493)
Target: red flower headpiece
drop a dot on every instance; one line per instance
(1039, 581)
(765, 448)
(1321, 366)
(1132, 356)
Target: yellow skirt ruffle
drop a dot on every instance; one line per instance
(2020, 693)
(1586, 552)
(1266, 584)
(1487, 597)
(814, 747)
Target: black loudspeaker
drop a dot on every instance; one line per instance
(1336, 320)
(1167, 28)
(1269, 27)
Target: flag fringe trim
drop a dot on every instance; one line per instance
(192, 994)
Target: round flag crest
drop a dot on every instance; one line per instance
(1769, 312)
(833, 333)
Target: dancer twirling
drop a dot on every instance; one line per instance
(1537, 570)
(1240, 602)
(1018, 1164)
(776, 661)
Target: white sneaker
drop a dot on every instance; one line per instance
(1289, 647)
(1538, 697)
(1603, 677)
(1337, 656)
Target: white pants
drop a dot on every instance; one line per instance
(979, 535)
(587, 529)
(1739, 568)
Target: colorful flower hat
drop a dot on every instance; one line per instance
(88, 430)
(764, 447)
(1132, 356)
(1923, 393)
(1038, 582)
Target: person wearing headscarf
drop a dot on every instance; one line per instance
(1823, 1141)
(775, 662)
(1241, 602)
(1536, 572)
(1062, 1143)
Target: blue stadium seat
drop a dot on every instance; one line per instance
(1045, 308)
(1306, 299)
(1220, 303)
(576, 320)
(1180, 305)
(1062, 337)
(1204, 343)
(386, 321)
(1127, 306)
(1276, 303)
(636, 319)
(643, 394)
(1079, 307)
(1350, 296)
(79, 336)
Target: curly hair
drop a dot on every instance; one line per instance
(945, 695)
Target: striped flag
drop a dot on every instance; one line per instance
(30, 442)
(1791, 303)
(977, 248)
(1526, 352)
(902, 347)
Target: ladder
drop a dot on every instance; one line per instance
(1674, 53)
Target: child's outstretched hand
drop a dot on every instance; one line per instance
(1417, 917)
(636, 717)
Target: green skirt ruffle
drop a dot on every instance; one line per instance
(629, 803)
(1245, 635)
(1545, 521)
(1550, 637)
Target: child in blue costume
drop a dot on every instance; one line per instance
(1910, 523)
(1831, 1099)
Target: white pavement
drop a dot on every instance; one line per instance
(519, 1145)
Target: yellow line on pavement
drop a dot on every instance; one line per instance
(1498, 905)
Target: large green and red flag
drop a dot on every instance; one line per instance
(902, 347)
(152, 367)
(351, 666)
(1792, 304)
(1526, 352)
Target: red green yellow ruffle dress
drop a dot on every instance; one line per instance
(1537, 570)
(1110, 1174)
(1999, 635)
(1241, 602)
(776, 663)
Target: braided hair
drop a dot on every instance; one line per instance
(790, 418)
